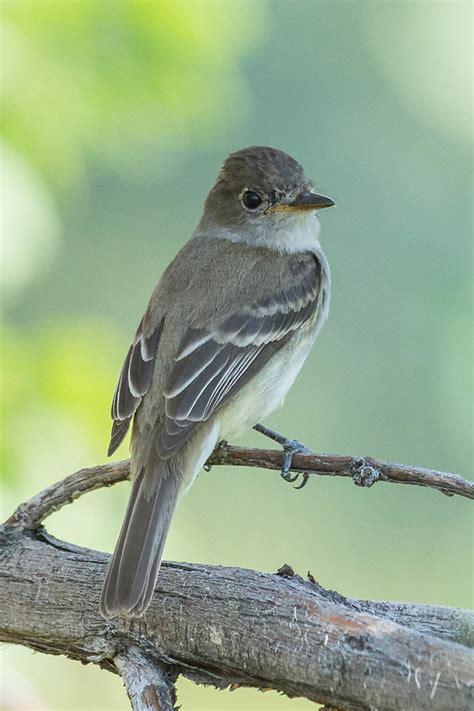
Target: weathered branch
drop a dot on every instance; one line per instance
(34, 511)
(150, 686)
(364, 471)
(227, 626)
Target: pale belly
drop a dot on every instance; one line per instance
(263, 394)
(267, 390)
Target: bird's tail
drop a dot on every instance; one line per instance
(132, 574)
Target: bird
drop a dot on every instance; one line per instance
(226, 332)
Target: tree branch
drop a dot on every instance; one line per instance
(233, 627)
(364, 471)
(34, 511)
(227, 626)
(148, 683)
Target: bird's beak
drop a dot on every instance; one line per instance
(306, 201)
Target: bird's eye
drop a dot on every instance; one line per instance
(251, 200)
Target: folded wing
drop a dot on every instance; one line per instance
(213, 363)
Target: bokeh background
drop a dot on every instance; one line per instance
(116, 117)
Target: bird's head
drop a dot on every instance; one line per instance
(263, 197)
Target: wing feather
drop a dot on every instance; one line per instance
(134, 381)
(124, 402)
(187, 369)
(180, 408)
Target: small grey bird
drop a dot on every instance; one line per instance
(224, 336)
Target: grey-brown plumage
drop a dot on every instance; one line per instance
(225, 334)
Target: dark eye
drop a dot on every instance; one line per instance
(251, 200)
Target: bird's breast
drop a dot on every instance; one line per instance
(268, 388)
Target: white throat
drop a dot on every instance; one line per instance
(285, 233)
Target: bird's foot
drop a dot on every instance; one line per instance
(290, 448)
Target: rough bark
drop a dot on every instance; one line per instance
(228, 626)
(149, 684)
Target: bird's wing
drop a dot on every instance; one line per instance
(134, 380)
(214, 362)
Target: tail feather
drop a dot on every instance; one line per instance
(132, 574)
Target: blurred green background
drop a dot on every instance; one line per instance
(116, 117)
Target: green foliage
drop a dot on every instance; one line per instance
(118, 78)
(58, 375)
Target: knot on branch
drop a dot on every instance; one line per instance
(286, 571)
(364, 473)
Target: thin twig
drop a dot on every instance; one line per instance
(150, 686)
(34, 511)
(364, 471)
